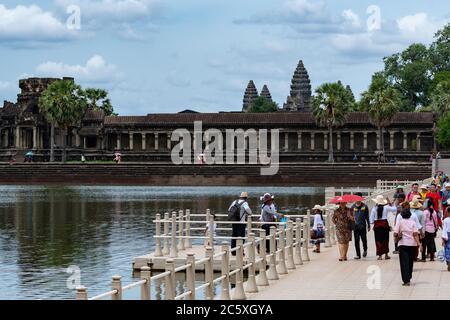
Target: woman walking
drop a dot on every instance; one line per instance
(381, 228)
(431, 227)
(446, 237)
(317, 231)
(407, 234)
(269, 215)
(344, 221)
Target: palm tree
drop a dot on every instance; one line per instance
(330, 107)
(62, 104)
(94, 96)
(381, 104)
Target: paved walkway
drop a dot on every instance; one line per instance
(324, 277)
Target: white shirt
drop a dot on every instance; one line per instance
(318, 222)
(268, 211)
(386, 210)
(445, 228)
(413, 217)
(245, 209)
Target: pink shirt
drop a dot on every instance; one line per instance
(406, 227)
(429, 223)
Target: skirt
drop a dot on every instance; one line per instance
(447, 248)
(381, 230)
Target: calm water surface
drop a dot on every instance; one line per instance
(44, 230)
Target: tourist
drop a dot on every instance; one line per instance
(83, 158)
(445, 197)
(434, 195)
(317, 231)
(381, 228)
(344, 221)
(430, 227)
(269, 215)
(362, 224)
(423, 192)
(414, 192)
(416, 209)
(239, 210)
(406, 205)
(213, 230)
(407, 235)
(446, 237)
(399, 195)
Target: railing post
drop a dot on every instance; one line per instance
(272, 274)
(239, 293)
(170, 280)
(333, 229)
(82, 293)
(305, 241)
(190, 275)
(173, 248)
(327, 229)
(211, 232)
(251, 281)
(290, 243)
(308, 229)
(298, 239)
(116, 284)
(181, 230)
(158, 252)
(188, 229)
(282, 256)
(209, 274)
(225, 294)
(261, 279)
(166, 249)
(145, 288)
(249, 225)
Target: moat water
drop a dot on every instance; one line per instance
(47, 231)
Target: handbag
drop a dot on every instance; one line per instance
(398, 236)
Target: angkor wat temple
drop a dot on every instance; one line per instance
(147, 137)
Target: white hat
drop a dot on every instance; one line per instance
(244, 195)
(380, 200)
(424, 186)
(318, 207)
(447, 185)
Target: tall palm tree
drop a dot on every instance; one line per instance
(330, 107)
(62, 104)
(95, 96)
(382, 105)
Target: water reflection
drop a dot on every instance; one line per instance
(44, 230)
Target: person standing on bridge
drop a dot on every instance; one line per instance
(344, 221)
(269, 215)
(431, 228)
(238, 212)
(446, 237)
(434, 195)
(317, 231)
(381, 228)
(362, 224)
(407, 235)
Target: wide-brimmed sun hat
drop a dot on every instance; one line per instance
(380, 200)
(400, 187)
(415, 204)
(447, 185)
(424, 186)
(267, 197)
(244, 195)
(318, 207)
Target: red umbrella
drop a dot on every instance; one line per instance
(346, 198)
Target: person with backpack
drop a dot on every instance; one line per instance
(318, 229)
(268, 214)
(238, 212)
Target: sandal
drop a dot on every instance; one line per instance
(341, 259)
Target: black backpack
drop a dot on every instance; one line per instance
(234, 213)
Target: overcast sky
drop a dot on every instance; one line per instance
(166, 56)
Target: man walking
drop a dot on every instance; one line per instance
(238, 212)
(362, 225)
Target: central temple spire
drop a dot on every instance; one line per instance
(300, 97)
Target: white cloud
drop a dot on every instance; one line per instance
(303, 7)
(31, 24)
(96, 69)
(418, 27)
(352, 18)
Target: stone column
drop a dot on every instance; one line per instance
(365, 141)
(118, 146)
(325, 141)
(391, 140)
(17, 144)
(286, 141)
(156, 141)
(352, 141)
(84, 143)
(34, 138)
(405, 140)
(144, 141)
(378, 141)
(77, 140)
(338, 135)
(169, 142)
(418, 141)
(130, 137)
(313, 142)
(299, 140)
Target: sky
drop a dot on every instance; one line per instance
(156, 56)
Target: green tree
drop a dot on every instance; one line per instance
(64, 105)
(443, 131)
(440, 50)
(261, 105)
(440, 100)
(382, 102)
(97, 99)
(410, 73)
(331, 105)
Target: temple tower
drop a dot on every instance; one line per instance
(265, 93)
(251, 93)
(300, 97)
